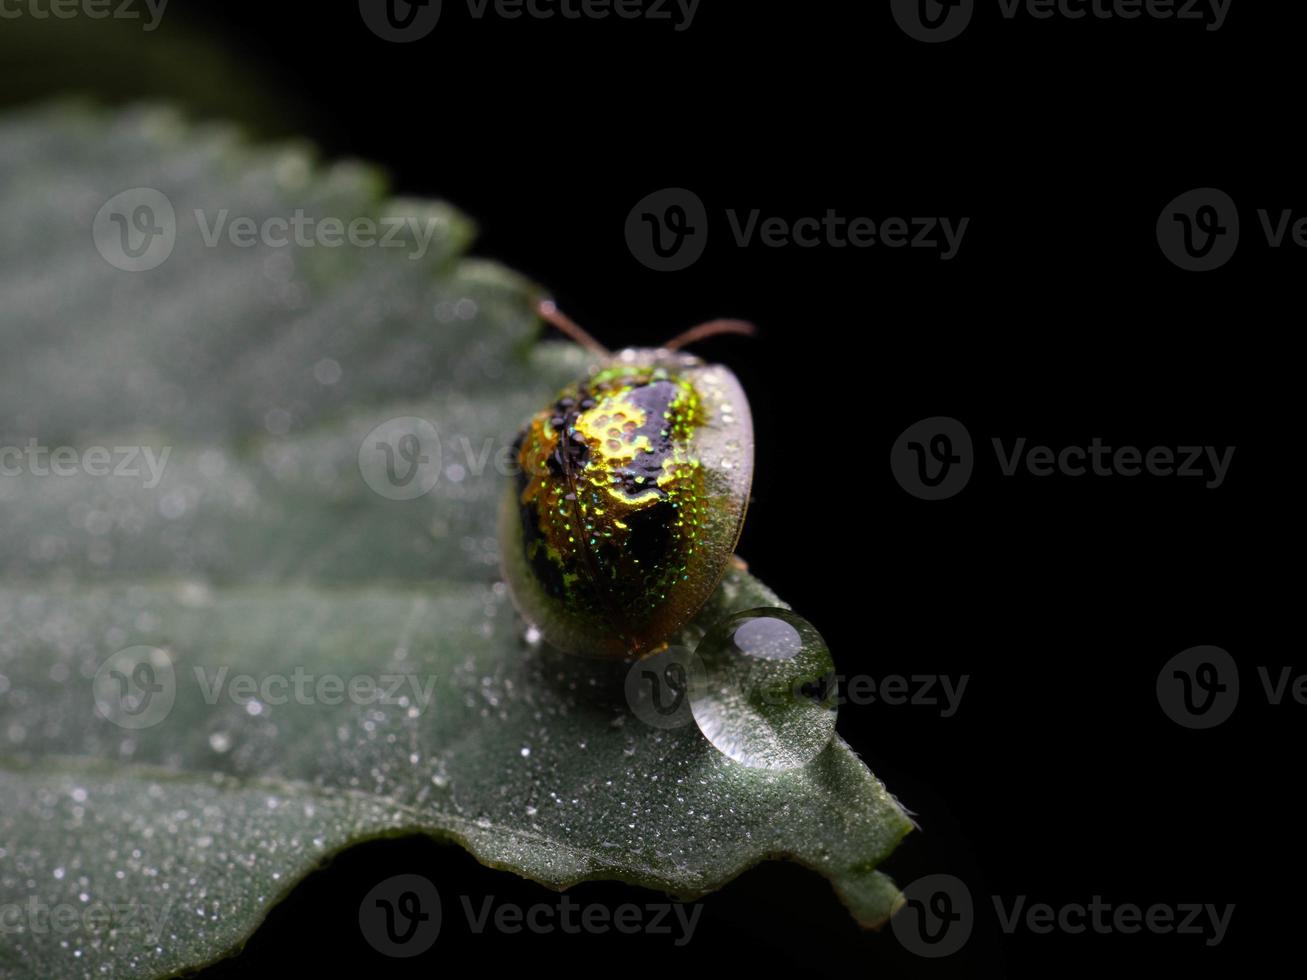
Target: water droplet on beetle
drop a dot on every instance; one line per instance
(763, 690)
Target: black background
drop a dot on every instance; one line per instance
(1059, 778)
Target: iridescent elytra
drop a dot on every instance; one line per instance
(630, 495)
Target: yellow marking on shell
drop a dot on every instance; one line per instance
(675, 467)
(633, 502)
(609, 429)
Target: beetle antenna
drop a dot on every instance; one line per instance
(552, 315)
(711, 329)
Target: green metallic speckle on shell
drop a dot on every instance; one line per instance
(628, 503)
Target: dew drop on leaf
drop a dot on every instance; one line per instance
(763, 689)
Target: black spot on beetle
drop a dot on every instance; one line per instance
(574, 452)
(641, 475)
(650, 537)
(607, 559)
(546, 572)
(653, 399)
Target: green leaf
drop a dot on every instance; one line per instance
(261, 551)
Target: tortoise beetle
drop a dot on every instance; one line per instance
(629, 497)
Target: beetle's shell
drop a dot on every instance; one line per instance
(628, 503)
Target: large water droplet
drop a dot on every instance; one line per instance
(763, 690)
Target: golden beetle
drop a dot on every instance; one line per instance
(630, 495)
